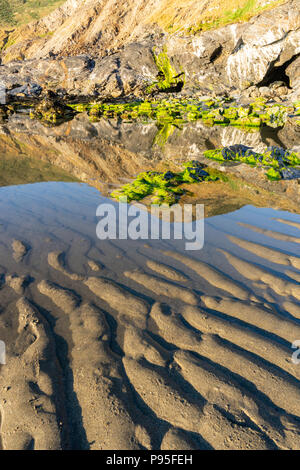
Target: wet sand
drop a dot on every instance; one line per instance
(143, 345)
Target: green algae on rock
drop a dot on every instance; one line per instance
(215, 111)
(168, 80)
(281, 164)
(164, 187)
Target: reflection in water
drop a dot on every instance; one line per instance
(108, 152)
(123, 344)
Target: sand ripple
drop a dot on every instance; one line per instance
(182, 354)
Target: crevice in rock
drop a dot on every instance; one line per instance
(278, 74)
(269, 135)
(238, 46)
(216, 54)
(91, 64)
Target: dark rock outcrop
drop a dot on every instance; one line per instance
(114, 76)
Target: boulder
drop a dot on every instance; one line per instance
(293, 72)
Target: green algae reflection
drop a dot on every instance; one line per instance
(212, 112)
(164, 187)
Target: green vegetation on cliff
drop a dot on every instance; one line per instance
(245, 12)
(17, 12)
(6, 13)
(168, 78)
(195, 16)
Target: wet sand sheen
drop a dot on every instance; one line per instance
(184, 352)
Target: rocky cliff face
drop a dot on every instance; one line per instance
(241, 55)
(80, 26)
(107, 50)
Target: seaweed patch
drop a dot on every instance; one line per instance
(164, 187)
(280, 163)
(212, 112)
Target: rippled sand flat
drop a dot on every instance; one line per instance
(134, 345)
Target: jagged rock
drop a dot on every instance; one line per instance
(122, 74)
(29, 90)
(229, 153)
(82, 27)
(279, 89)
(289, 136)
(293, 72)
(290, 174)
(241, 55)
(117, 75)
(50, 110)
(265, 91)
